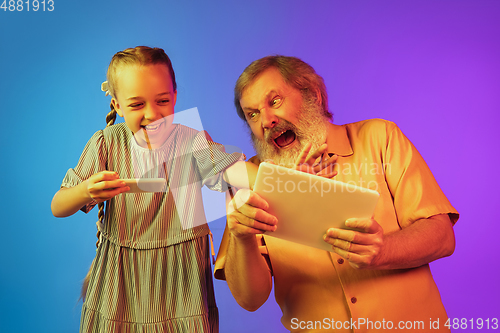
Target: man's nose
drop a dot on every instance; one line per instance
(269, 118)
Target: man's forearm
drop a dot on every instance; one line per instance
(367, 247)
(424, 241)
(247, 273)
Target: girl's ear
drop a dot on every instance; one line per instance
(116, 106)
(175, 97)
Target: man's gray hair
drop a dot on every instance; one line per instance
(294, 71)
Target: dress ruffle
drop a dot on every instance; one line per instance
(94, 322)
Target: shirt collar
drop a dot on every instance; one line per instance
(338, 140)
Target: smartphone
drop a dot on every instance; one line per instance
(141, 185)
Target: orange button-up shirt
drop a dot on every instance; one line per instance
(317, 290)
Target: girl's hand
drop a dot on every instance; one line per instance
(104, 185)
(307, 162)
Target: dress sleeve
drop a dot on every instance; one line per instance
(212, 159)
(92, 161)
(414, 189)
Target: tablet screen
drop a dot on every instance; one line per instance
(307, 205)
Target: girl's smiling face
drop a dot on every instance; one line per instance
(145, 98)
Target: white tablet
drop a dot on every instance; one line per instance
(146, 185)
(308, 205)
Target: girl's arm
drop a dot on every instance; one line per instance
(99, 187)
(242, 174)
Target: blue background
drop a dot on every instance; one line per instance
(433, 67)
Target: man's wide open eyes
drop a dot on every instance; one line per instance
(252, 115)
(276, 101)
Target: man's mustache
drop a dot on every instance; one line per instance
(282, 126)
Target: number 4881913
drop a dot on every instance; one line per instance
(33, 5)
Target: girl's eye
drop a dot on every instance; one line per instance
(135, 105)
(163, 101)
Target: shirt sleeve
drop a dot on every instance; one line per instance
(92, 161)
(212, 159)
(414, 189)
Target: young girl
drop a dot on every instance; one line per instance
(150, 273)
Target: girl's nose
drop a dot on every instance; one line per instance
(152, 112)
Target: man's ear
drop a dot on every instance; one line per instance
(319, 99)
(116, 106)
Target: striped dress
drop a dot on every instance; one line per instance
(152, 269)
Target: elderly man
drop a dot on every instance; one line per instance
(377, 276)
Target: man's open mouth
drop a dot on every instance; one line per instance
(285, 139)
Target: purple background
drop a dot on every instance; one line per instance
(433, 67)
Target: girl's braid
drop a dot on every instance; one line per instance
(110, 120)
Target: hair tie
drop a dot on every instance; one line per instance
(105, 88)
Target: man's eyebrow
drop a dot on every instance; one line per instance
(269, 95)
(247, 108)
(271, 92)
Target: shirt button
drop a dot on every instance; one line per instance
(353, 300)
(340, 261)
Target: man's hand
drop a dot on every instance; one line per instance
(367, 247)
(247, 215)
(308, 162)
(360, 248)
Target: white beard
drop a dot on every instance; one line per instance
(311, 127)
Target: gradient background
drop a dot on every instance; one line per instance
(433, 67)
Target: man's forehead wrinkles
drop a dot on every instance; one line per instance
(247, 108)
(254, 103)
(251, 101)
